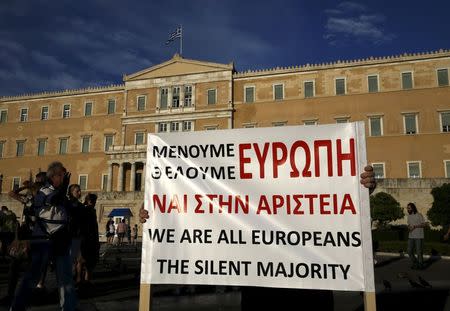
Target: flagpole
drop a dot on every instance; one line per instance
(181, 41)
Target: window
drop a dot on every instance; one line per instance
(373, 83)
(15, 183)
(445, 121)
(141, 102)
(82, 181)
(342, 120)
(162, 127)
(23, 114)
(2, 147)
(375, 126)
(442, 75)
(20, 148)
(44, 113)
(211, 97)
(309, 89)
(66, 111)
(109, 141)
(111, 106)
(340, 86)
(174, 126)
(310, 122)
(163, 100)
(187, 96)
(278, 92)
(249, 125)
(88, 109)
(407, 80)
(41, 147)
(249, 94)
(3, 116)
(104, 182)
(63, 142)
(210, 127)
(447, 168)
(187, 126)
(414, 169)
(176, 97)
(378, 170)
(410, 122)
(139, 138)
(85, 144)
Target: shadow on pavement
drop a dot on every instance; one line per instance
(388, 261)
(434, 300)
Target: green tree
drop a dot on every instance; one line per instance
(439, 213)
(384, 208)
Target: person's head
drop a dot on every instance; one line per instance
(4, 208)
(55, 173)
(411, 208)
(123, 220)
(90, 199)
(74, 191)
(41, 177)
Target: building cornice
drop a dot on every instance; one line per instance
(84, 91)
(406, 57)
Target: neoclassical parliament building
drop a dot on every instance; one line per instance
(99, 133)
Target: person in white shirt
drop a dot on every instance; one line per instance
(416, 223)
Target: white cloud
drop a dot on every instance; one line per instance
(351, 25)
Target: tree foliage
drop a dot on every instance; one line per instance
(384, 208)
(439, 213)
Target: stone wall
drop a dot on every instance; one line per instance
(406, 190)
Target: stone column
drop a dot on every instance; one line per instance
(120, 178)
(169, 98)
(182, 96)
(110, 175)
(133, 176)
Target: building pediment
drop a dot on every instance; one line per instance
(178, 66)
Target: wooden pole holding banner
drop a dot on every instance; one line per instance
(369, 301)
(145, 297)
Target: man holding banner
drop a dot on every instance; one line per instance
(264, 207)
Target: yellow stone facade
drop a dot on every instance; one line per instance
(183, 94)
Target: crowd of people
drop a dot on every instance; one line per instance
(116, 231)
(56, 230)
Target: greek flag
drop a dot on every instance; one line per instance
(176, 34)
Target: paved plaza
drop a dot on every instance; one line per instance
(116, 287)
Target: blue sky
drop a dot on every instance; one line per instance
(48, 45)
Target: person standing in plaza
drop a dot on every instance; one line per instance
(8, 227)
(90, 244)
(416, 225)
(121, 231)
(76, 220)
(134, 234)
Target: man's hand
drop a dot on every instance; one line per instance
(143, 214)
(368, 178)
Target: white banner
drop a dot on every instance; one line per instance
(274, 207)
